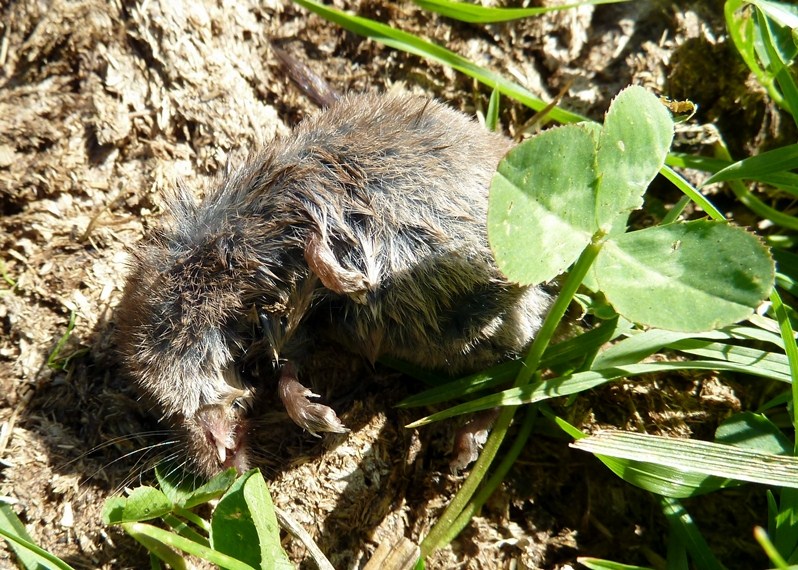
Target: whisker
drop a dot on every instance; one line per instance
(141, 450)
(116, 440)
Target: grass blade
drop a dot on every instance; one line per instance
(776, 63)
(747, 198)
(29, 555)
(777, 160)
(183, 529)
(476, 14)
(570, 352)
(785, 535)
(788, 337)
(598, 564)
(781, 13)
(637, 347)
(691, 456)
(677, 180)
(764, 541)
(146, 531)
(663, 480)
(681, 524)
(775, 364)
(492, 115)
(785, 181)
(582, 381)
(160, 552)
(754, 431)
(409, 43)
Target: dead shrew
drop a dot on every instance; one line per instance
(369, 221)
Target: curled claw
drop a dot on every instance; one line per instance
(306, 414)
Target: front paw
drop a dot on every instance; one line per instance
(322, 262)
(306, 414)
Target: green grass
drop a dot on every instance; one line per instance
(761, 32)
(596, 267)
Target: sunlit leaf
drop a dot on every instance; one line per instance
(184, 489)
(244, 524)
(693, 276)
(542, 204)
(143, 503)
(633, 144)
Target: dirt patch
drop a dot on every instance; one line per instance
(105, 105)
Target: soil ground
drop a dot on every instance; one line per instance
(105, 105)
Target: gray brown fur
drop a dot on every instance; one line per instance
(367, 223)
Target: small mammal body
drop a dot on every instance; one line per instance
(366, 224)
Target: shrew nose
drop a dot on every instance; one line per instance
(223, 434)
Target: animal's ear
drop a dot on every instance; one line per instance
(322, 262)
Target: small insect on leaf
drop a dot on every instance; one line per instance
(682, 111)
